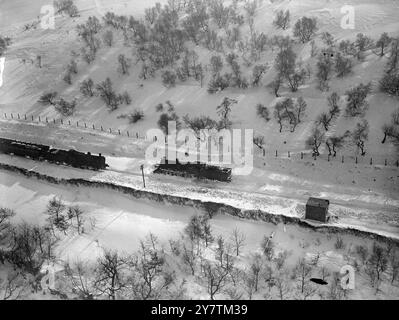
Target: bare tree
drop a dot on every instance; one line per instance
(86, 87)
(216, 278)
(378, 260)
(80, 277)
(282, 285)
(276, 84)
(302, 273)
(216, 64)
(190, 255)
(315, 140)
(324, 70)
(356, 100)
(224, 110)
(263, 112)
(362, 44)
(257, 73)
(13, 286)
(238, 238)
(66, 6)
(256, 269)
(394, 263)
(300, 108)
(267, 246)
(305, 28)
(282, 19)
(124, 64)
(259, 141)
(5, 216)
(108, 38)
(335, 290)
(394, 56)
(109, 278)
(149, 278)
(334, 143)
(48, 98)
(343, 65)
(279, 114)
(56, 214)
(107, 94)
(77, 214)
(360, 136)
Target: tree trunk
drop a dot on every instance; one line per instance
(385, 138)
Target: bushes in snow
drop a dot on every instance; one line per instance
(356, 100)
(305, 28)
(282, 19)
(390, 83)
(169, 78)
(288, 111)
(66, 6)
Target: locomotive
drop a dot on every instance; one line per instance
(40, 152)
(194, 170)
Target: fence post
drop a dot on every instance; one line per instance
(343, 159)
(77, 123)
(301, 155)
(289, 154)
(12, 117)
(386, 163)
(371, 161)
(264, 152)
(85, 125)
(46, 120)
(32, 118)
(110, 131)
(356, 160)
(93, 127)
(18, 116)
(276, 154)
(39, 119)
(102, 129)
(62, 121)
(128, 133)
(25, 117)
(5, 115)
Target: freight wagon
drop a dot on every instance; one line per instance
(39, 152)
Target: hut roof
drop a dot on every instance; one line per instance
(315, 202)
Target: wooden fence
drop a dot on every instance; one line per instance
(259, 154)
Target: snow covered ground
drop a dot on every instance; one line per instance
(364, 211)
(115, 221)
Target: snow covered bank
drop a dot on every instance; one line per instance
(216, 207)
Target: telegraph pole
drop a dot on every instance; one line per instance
(142, 172)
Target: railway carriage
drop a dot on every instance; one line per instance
(72, 158)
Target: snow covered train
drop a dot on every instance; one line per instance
(40, 152)
(194, 170)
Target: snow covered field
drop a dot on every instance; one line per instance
(121, 222)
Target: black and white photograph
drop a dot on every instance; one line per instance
(211, 152)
